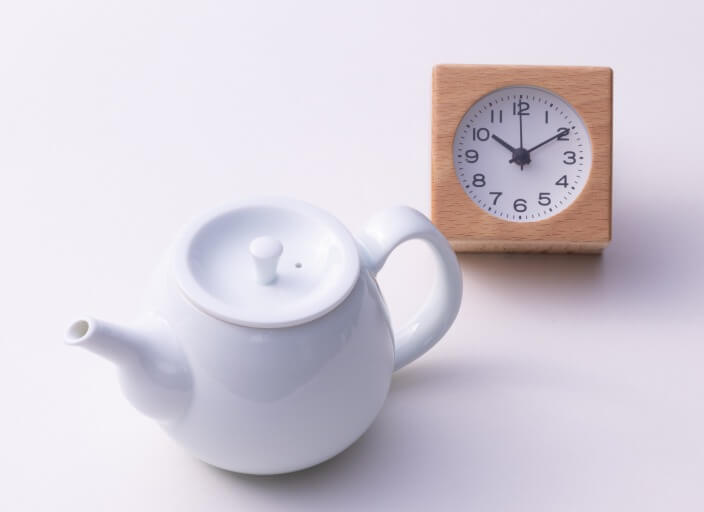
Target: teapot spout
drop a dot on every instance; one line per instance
(153, 371)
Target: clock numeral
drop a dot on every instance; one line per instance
(498, 195)
(521, 108)
(546, 117)
(544, 199)
(571, 157)
(562, 181)
(471, 155)
(520, 205)
(500, 117)
(481, 134)
(478, 180)
(564, 131)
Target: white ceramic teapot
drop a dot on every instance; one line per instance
(265, 346)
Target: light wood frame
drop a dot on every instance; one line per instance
(585, 226)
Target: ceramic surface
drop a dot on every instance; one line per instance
(267, 400)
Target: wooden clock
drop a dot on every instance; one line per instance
(521, 157)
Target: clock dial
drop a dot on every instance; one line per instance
(522, 154)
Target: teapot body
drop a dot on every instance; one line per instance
(265, 345)
(274, 400)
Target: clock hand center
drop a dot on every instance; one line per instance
(520, 156)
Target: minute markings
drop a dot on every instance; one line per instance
(501, 176)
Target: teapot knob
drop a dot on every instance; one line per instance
(265, 251)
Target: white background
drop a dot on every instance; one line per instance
(567, 383)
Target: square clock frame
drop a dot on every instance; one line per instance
(585, 225)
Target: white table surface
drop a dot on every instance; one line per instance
(567, 383)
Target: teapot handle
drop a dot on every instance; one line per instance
(384, 232)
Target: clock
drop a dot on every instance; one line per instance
(521, 157)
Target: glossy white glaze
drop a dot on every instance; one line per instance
(387, 230)
(272, 403)
(316, 269)
(265, 252)
(278, 399)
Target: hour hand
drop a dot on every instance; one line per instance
(503, 143)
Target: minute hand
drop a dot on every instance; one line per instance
(559, 134)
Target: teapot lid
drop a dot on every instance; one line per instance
(268, 263)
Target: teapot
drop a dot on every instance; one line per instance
(265, 345)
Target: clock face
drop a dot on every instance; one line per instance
(522, 154)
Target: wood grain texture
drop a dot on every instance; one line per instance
(585, 226)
